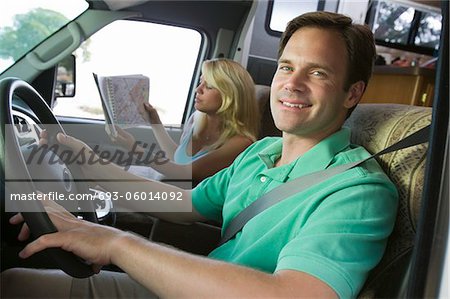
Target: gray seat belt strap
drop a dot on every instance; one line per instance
(299, 184)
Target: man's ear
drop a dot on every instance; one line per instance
(355, 93)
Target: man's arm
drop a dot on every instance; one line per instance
(172, 273)
(115, 179)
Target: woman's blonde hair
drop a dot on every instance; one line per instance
(239, 111)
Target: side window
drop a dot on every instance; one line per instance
(413, 29)
(284, 11)
(166, 54)
(280, 12)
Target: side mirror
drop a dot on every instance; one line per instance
(65, 77)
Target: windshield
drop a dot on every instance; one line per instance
(24, 24)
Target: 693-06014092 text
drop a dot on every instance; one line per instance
(150, 196)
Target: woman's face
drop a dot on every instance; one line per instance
(207, 98)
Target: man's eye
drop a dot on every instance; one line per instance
(318, 74)
(285, 68)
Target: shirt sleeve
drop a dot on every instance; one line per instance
(208, 197)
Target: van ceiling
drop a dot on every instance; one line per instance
(206, 16)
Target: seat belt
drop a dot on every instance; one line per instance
(301, 183)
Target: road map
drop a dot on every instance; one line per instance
(127, 95)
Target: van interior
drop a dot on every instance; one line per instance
(168, 40)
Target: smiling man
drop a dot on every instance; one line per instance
(309, 98)
(321, 242)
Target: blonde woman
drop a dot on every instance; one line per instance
(226, 122)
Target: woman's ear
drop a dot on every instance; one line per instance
(355, 94)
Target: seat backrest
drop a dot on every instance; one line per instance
(267, 127)
(376, 126)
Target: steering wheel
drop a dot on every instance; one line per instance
(34, 213)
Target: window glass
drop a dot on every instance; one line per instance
(165, 54)
(414, 28)
(429, 30)
(285, 10)
(24, 24)
(393, 22)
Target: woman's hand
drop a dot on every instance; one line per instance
(152, 113)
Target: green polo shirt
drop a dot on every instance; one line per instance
(335, 230)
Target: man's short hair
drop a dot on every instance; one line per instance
(358, 39)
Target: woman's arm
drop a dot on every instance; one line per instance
(166, 143)
(208, 164)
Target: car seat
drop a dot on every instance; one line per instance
(376, 126)
(267, 126)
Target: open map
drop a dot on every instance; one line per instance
(123, 99)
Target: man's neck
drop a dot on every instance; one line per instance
(295, 146)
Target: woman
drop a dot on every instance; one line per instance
(226, 122)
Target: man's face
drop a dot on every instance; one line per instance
(307, 92)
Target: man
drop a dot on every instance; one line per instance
(319, 243)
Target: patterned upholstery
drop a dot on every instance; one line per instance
(376, 126)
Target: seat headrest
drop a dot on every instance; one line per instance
(267, 127)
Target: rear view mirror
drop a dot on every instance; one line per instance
(65, 77)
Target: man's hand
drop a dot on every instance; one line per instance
(50, 207)
(80, 149)
(92, 242)
(126, 140)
